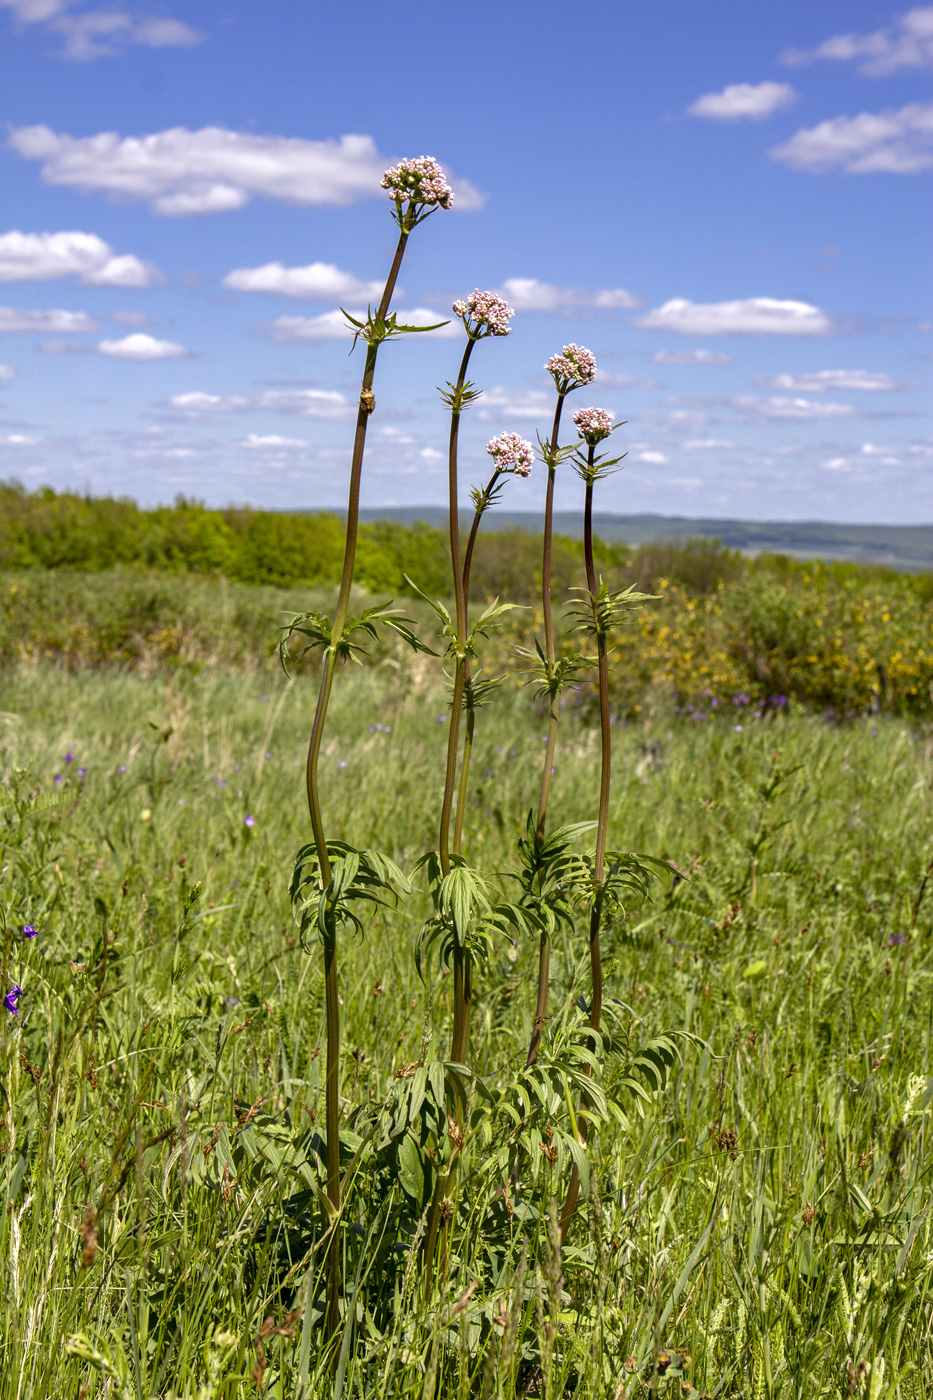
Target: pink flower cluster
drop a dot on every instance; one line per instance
(421, 181)
(483, 313)
(575, 367)
(511, 454)
(593, 424)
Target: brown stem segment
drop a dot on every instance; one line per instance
(544, 948)
(599, 863)
(331, 999)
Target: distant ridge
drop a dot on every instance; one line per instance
(896, 546)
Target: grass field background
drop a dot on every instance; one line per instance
(760, 1218)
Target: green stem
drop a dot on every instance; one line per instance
(544, 947)
(331, 997)
(602, 829)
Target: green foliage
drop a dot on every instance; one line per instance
(756, 1223)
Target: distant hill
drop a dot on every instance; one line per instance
(896, 546)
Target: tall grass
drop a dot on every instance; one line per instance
(759, 1221)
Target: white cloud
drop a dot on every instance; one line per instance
(743, 102)
(102, 33)
(7, 372)
(130, 318)
(653, 458)
(892, 142)
(528, 294)
(317, 279)
(515, 403)
(625, 381)
(861, 379)
(802, 409)
(691, 357)
(141, 347)
(45, 322)
(180, 172)
(271, 440)
(19, 440)
(908, 43)
(708, 444)
(753, 316)
(302, 403)
(332, 325)
(39, 257)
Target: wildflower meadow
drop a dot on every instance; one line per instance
(482, 995)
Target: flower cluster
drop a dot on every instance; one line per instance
(593, 424)
(420, 181)
(575, 367)
(511, 454)
(483, 313)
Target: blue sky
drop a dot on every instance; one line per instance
(729, 204)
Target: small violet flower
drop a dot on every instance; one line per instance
(58, 777)
(511, 453)
(593, 424)
(249, 820)
(69, 758)
(30, 931)
(11, 998)
(483, 313)
(574, 368)
(897, 938)
(81, 772)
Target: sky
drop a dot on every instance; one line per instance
(727, 203)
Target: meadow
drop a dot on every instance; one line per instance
(758, 1220)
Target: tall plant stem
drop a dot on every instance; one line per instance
(470, 725)
(332, 1004)
(463, 988)
(544, 947)
(602, 829)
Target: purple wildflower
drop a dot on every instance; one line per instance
(69, 758)
(81, 772)
(11, 998)
(249, 820)
(58, 777)
(896, 938)
(511, 453)
(122, 767)
(30, 931)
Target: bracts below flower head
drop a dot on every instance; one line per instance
(593, 424)
(484, 313)
(511, 453)
(419, 183)
(571, 370)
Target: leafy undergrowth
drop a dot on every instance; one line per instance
(758, 1219)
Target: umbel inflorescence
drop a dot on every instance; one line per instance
(573, 369)
(484, 313)
(420, 181)
(593, 424)
(511, 453)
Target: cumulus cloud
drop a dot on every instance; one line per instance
(691, 357)
(752, 316)
(861, 379)
(892, 142)
(102, 33)
(301, 403)
(652, 458)
(908, 43)
(141, 347)
(19, 440)
(268, 441)
(778, 406)
(528, 294)
(332, 325)
(743, 102)
(515, 403)
(39, 257)
(317, 279)
(7, 372)
(178, 172)
(45, 322)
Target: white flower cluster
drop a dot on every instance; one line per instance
(575, 367)
(594, 424)
(421, 181)
(511, 453)
(483, 313)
